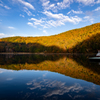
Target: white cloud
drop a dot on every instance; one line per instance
(47, 6)
(64, 4)
(75, 12)
(1, 5)
(27, 11)
(44, 31)
(88, 18)
(55, 6)
(86, 2)
(10, 27)
(5, 35)
(6, 7)
(54, 20)
(37, 22)
(31, 24)
(62, 18)
(27, 4)
(98, 1)
(2, 34)
(45, 2)
(97, 9)
(21, 15)
(56, 16)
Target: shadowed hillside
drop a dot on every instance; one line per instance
(90, 45)
(81, 40)
(30, 47)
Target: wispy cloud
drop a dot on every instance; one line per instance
(27, 11)
(63, 18)
(64, 4)
(97, 9)
(75, 12)
(6, 7)
(98, 1)
(10, 27)
(31, 24)
(26, 4)
(36, 21)
(47, 5)
(88, 18)
(54, 20)
(86, 2)
(21, 15)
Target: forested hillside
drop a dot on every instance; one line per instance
(83, 40)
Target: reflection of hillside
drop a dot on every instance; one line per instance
(82, 69)
(27, 58)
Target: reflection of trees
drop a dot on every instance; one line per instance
(28, 58)
(77, 66)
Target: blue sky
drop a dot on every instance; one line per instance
(46, 17)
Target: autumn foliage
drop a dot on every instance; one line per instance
(83, 40)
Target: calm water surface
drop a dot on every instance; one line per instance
(49, 77)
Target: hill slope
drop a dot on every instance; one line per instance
(86, 39)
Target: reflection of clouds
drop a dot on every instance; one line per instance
(61, 89)
(55, 87)
(4, 70)
(1, 71)
(87, 89)
(27, 95)
(9, 79)
(77, 96)
(45, 74)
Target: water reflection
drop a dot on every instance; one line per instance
(44, 85)
(48, 77)
(76, 66)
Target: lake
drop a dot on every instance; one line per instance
(49, 77)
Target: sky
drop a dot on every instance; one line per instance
(46, 17)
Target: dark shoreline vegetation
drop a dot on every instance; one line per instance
(83, 40)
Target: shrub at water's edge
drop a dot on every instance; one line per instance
(83, 40)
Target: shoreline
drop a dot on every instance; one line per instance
(28, 53)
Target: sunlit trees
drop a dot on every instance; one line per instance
(81, 40)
